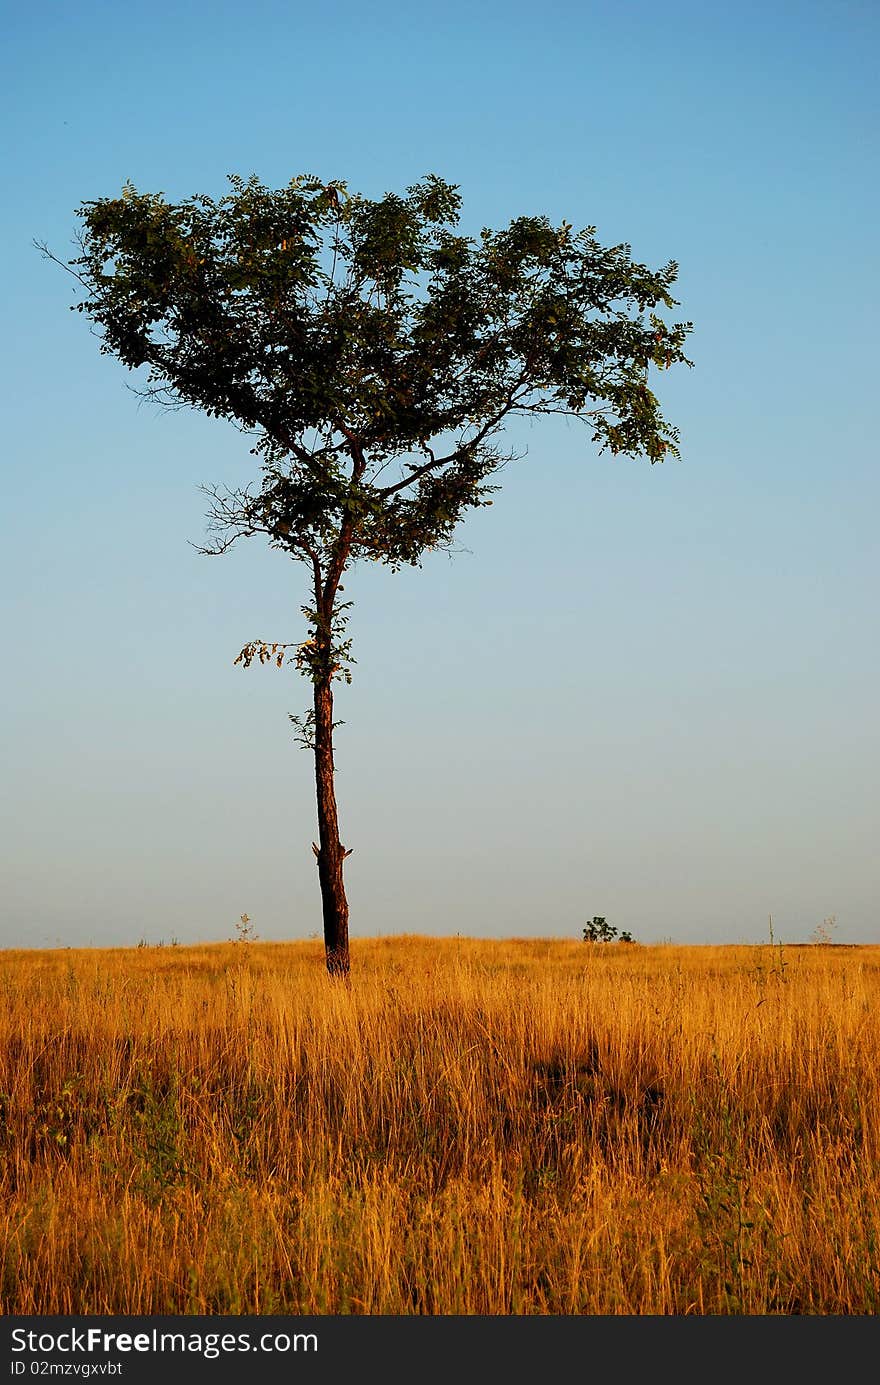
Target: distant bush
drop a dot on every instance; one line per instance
(599, 930)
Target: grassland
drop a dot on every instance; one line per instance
(472, 1127)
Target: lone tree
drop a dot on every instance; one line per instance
(374, 355)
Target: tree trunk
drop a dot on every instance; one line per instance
(329, 851)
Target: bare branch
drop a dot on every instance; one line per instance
(232, 515)
(63, 264)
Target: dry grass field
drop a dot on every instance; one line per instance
(472, 1127)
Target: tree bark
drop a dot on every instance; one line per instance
(329, 851)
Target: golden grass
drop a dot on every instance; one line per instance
(479, 1127)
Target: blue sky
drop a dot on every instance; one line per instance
(646, 693)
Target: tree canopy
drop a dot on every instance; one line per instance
(348, 334)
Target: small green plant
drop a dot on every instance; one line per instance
(599, 930)
(157, 1125)
(729, 1225)
(244, 930)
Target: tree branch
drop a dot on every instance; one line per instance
(47, 255)
(460, 451)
